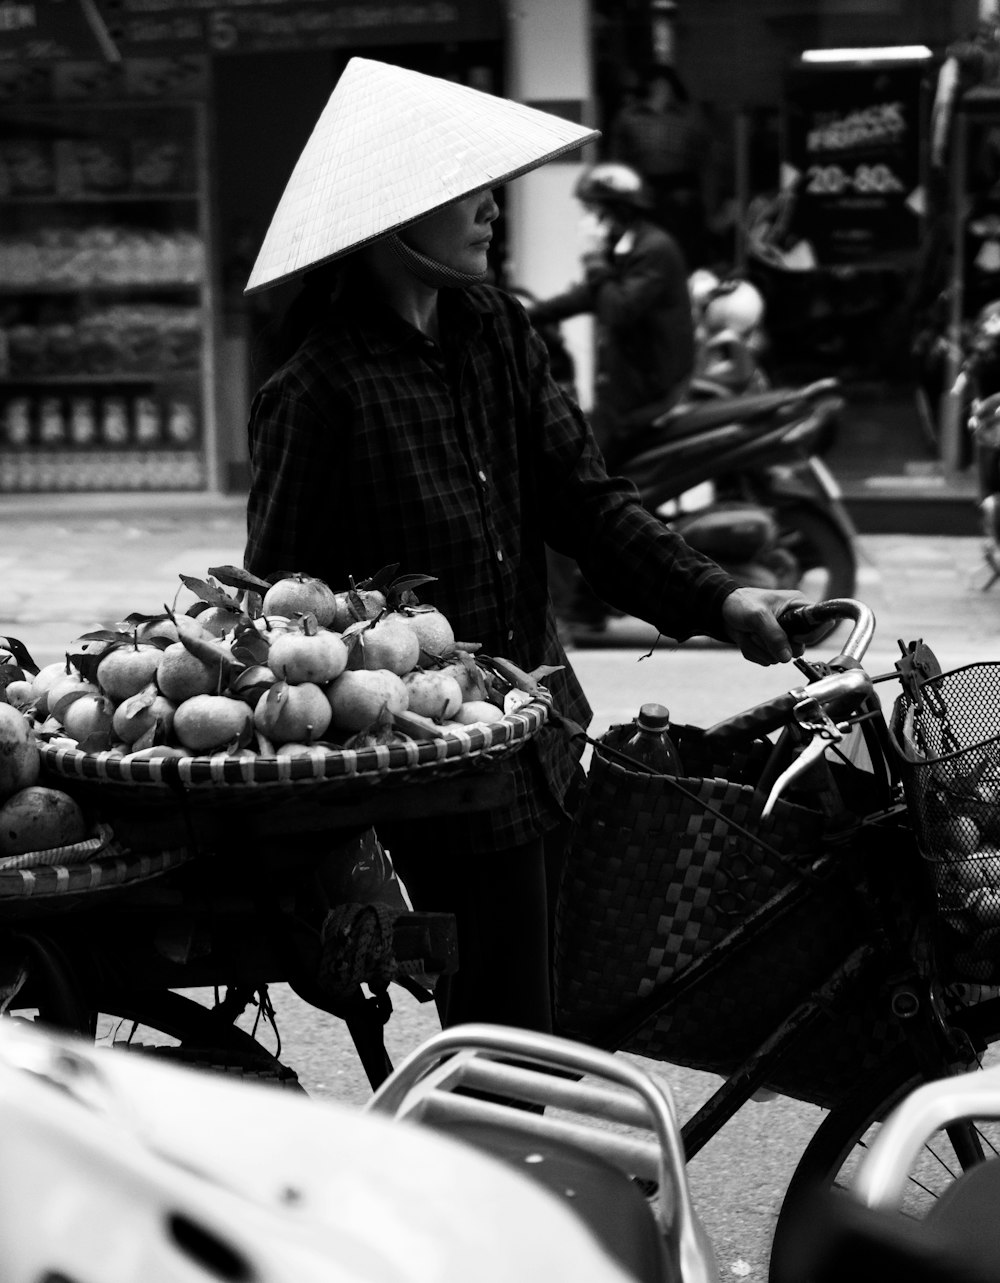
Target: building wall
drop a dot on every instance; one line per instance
(549, 63)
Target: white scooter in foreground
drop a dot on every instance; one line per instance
(119, 1169)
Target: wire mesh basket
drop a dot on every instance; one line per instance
(947, 734)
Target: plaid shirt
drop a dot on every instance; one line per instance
(376, 445)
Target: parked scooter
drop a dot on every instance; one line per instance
(734, 465)
(119, 1168)
(741, 478)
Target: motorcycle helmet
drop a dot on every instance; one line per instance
(734, 305)
(611, 183)
(701, 285)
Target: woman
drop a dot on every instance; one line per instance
(414, 420)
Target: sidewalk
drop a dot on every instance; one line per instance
(891, 477)
(68, 563)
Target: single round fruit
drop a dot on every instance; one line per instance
(389, 643)
(165, 629)
(37, 819)
(433, 630)
(251, 684)
(287, 713)
(64, 691)
(89, 720)
(19, 760)
(125, 670)
(433, 694)
(469, 677)
(478, 710)
(204, 723)
(140, 713)
(372, 603)
(20, 693)
(301, 657)
(44, 680)
(359, 695)
(301, 595)
(182, 675)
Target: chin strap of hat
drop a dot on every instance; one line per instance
(429, 270)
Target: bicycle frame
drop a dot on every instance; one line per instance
(897, 952)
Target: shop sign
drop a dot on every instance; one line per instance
(54, 29)
(45, 30)
(853, 142)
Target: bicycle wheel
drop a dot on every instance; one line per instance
(831, 1158)
(179, 1029)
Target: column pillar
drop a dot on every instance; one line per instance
(550, 68)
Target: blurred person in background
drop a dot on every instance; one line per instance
(635, 285)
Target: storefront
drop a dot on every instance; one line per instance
(143, 147)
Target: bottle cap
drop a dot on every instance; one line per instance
(654, 717)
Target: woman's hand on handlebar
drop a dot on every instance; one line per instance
(751, 620)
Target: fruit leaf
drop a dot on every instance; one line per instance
(356, 605)
(115, 634)
(209, 593)
(138, 703)
(86, 663)
(132, 621)
(378, 731)
(20, 653)
(95, 742)
(210, 652)
(264, 746)
(400, 591)
(249, 646)
(381, 579)
(237, 577)
(10, 672)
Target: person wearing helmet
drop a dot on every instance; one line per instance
(414, 420)
(636, 287)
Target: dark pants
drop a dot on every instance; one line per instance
(501, 903)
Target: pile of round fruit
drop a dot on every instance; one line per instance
(271, 668)
(32, 817)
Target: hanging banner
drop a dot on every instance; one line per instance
(48, 30)
(853, 140)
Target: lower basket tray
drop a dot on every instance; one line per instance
(60, 887)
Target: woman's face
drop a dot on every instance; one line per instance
(458, 235)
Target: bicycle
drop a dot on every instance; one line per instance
(821, 955)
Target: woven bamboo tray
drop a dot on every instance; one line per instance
(219, 775)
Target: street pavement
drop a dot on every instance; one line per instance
(67, 564)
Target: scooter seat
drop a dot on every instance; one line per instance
(697, 416)
(600, 1193)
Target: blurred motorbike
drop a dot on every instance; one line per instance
(736, 466)
(741, 478)
(119, 1168)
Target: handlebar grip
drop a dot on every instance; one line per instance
(799, 621)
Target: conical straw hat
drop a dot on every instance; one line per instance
(390, 146)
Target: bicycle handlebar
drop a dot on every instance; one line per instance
(840, 692)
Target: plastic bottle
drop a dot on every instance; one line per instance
(651, 744)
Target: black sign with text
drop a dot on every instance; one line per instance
(50, 30)
(853, 140)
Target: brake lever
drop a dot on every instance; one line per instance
(811, 717)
